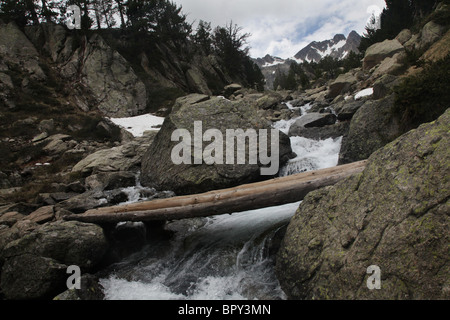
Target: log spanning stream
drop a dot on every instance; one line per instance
(246, 197)
(217, 256)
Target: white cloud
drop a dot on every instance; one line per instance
(283, 27)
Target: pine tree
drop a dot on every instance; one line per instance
(160, 17)
(104, 13)
(47, 8)
(229, 45)
(202, 36)
(17, 11)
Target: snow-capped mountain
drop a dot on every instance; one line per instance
(338, 47)
(269, 61)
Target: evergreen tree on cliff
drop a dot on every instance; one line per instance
(160, 17)
(398, 15)
(229, 45)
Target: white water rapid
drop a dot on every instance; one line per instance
(226, 257)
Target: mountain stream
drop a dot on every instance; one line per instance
(221, 257)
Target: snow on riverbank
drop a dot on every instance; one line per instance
(364, 93)
(138, 125)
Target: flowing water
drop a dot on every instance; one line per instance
(221, 257)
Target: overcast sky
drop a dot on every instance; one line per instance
(283, 27)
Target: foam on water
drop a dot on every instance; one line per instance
(312, 155)
(225, 259)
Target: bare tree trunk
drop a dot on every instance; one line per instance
(246, 197)
(121, 12)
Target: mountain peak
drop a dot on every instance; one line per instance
(338, 47)
(339, 37)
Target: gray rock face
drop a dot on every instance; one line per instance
(404, 36)
(160, 172)
(430, 33)
(391, 65)
(312, 120)
(116, 90)
(322, 133)
(345, 110)
(380, 51)
(341, 84)
(393, 215)
(39, 276)
(372, 127)
(384, 85)
(15, 48)
(35, 265)
(121, 158)
(110, 77)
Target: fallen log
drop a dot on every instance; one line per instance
(242, 198)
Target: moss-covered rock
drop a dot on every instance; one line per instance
(393, 215)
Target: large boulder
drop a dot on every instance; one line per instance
(430, 33)
(121, 158)
(346, 109)
(376, 53)
(35, 265)
(393, 215)
(321, 133)
(404, 36)
(317, 126)
(341, 84)
(159, 170)
(372, 127)
(196, 81)
(315, 119)
(391, 65)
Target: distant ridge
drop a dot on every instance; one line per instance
(338, 47)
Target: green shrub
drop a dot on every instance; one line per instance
(424, 97)
(442, 16)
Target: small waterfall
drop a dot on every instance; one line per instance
(225, 257)
(312, 155)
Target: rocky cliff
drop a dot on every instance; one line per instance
(108, 70)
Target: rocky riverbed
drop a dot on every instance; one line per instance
(65, 159)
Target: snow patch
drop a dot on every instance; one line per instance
(138, 125)
(364, 93)
(276, 62)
